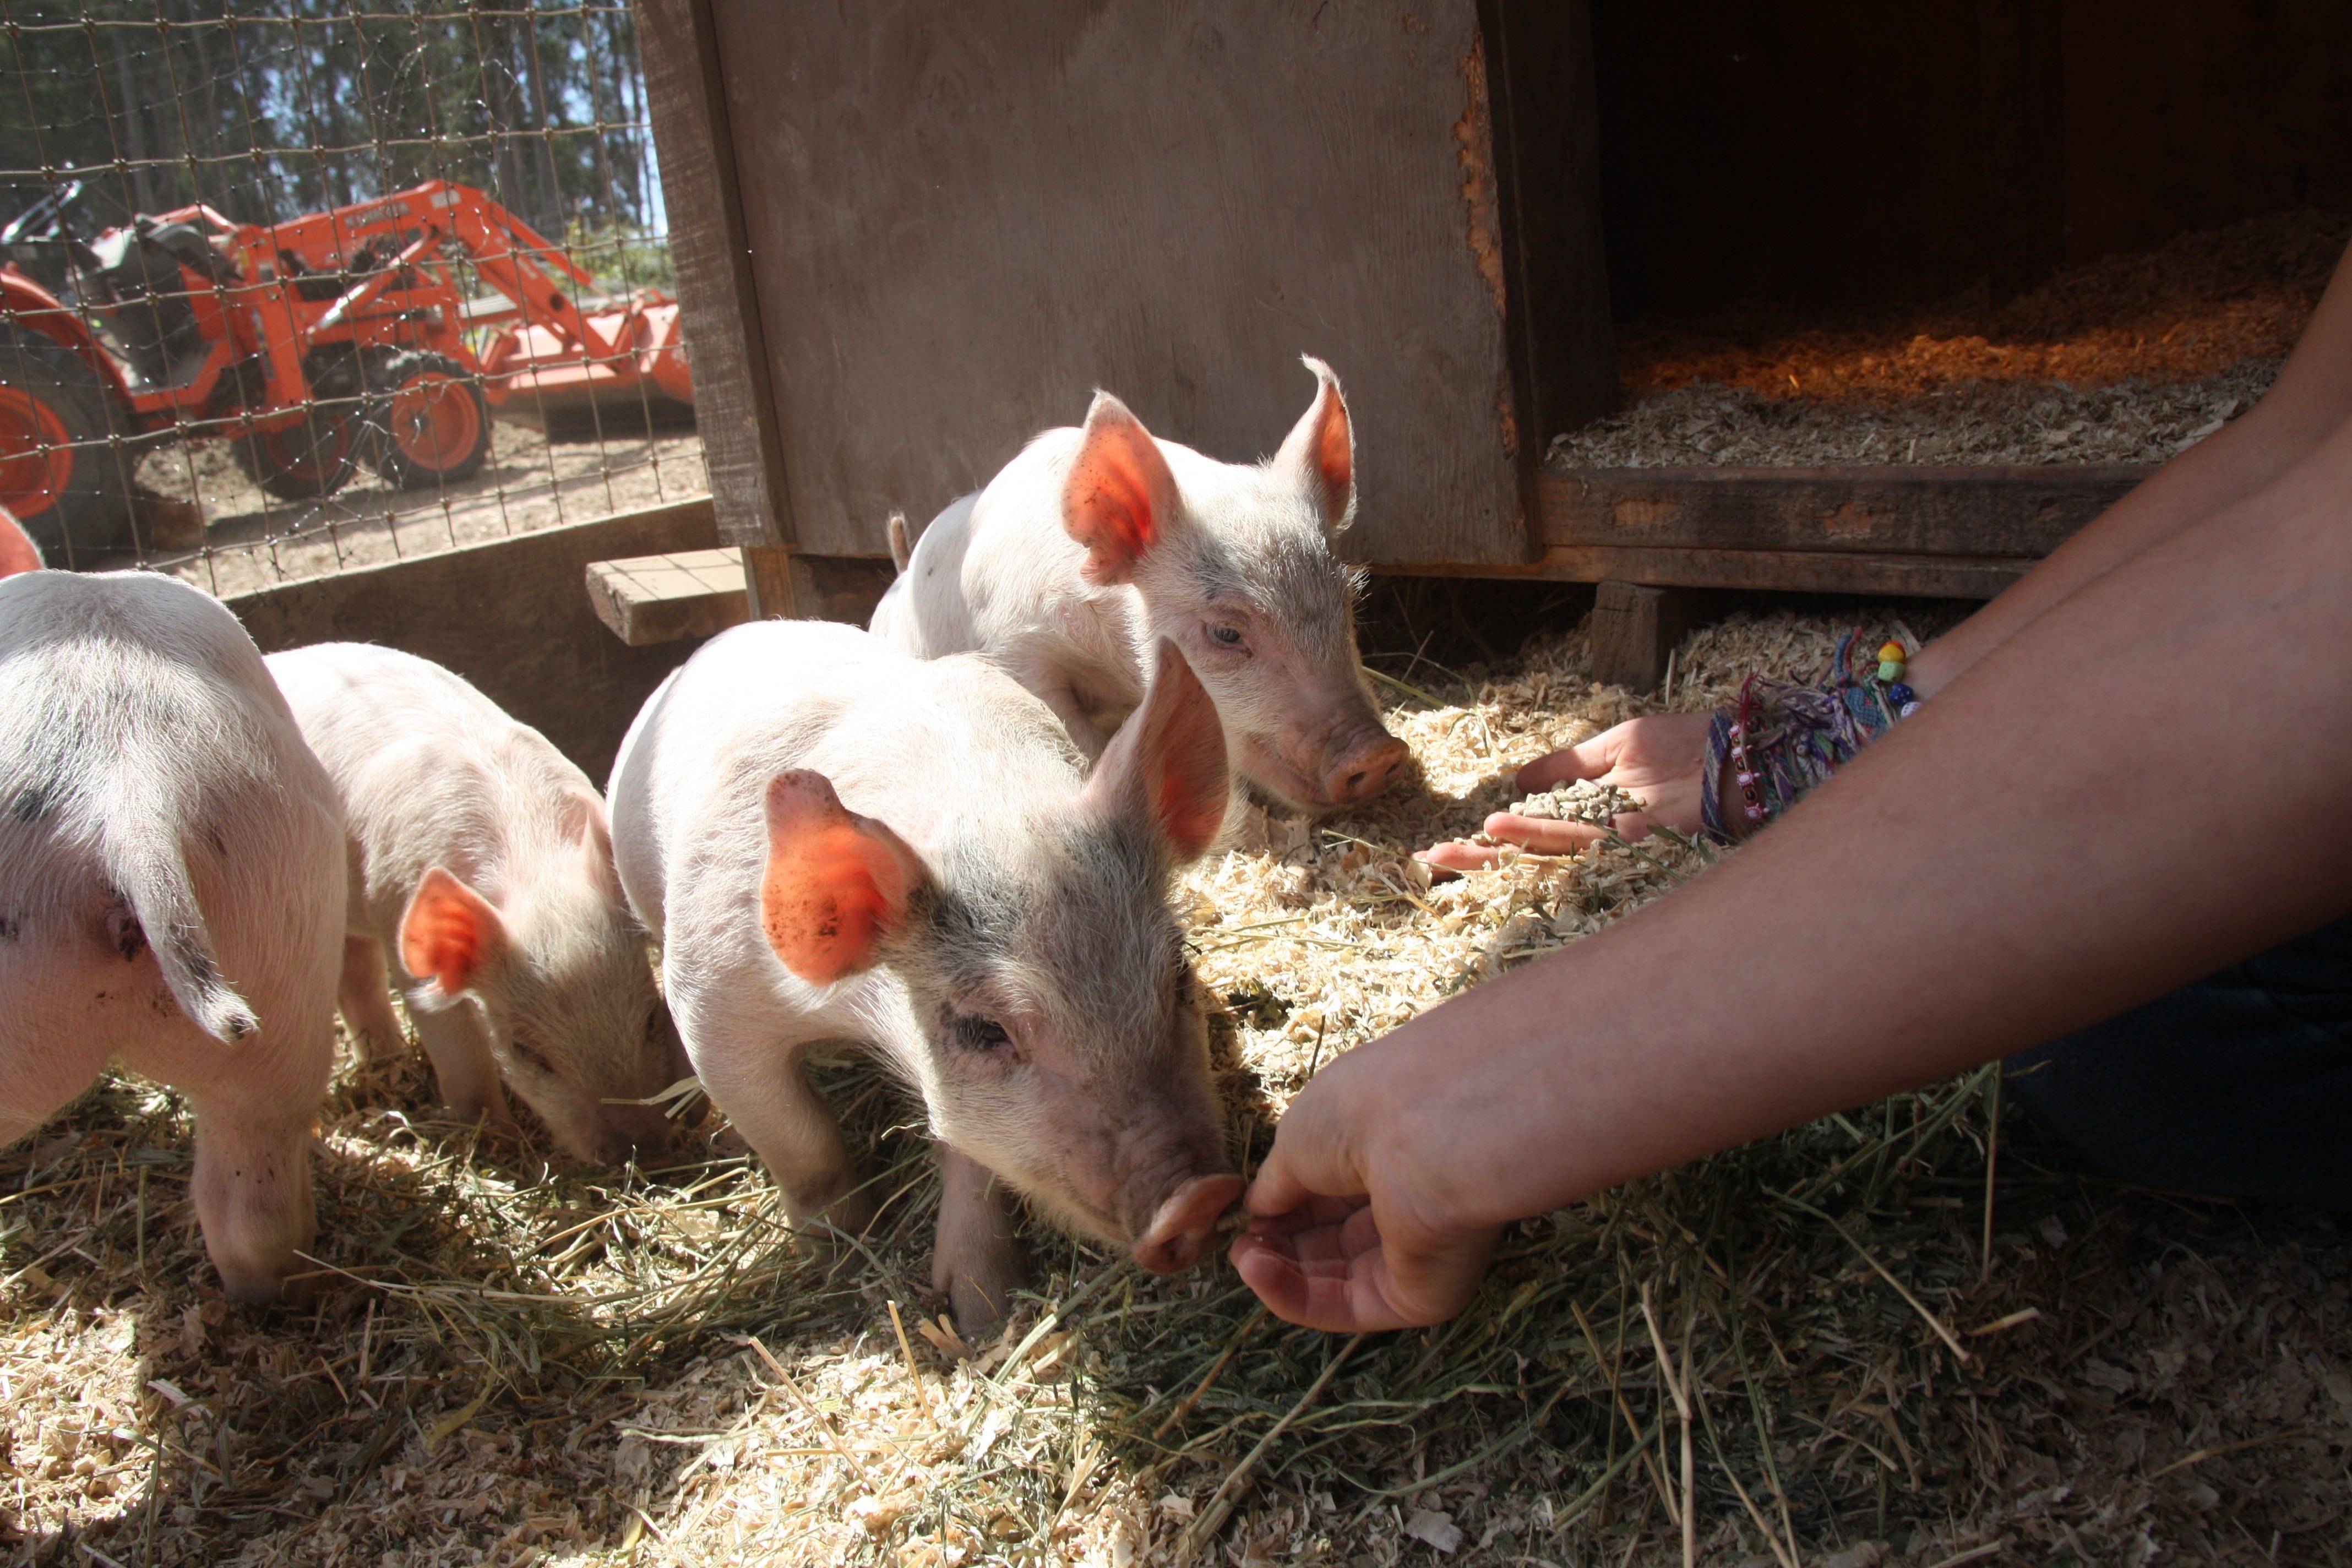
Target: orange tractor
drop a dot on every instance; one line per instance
(312, 346)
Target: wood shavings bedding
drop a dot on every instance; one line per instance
(2127, 360)
(542, 1368)
(1324, 935)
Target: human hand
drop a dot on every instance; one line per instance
(1349, 1231)
(1657, 760)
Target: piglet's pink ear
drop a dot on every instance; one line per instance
(451, 934)
(1120, 497)
(17, 551)
(837, 882)
(1319, 453)
(1169, 760)
(589, 824)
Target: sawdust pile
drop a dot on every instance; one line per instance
(519, 1366)
(2126, 360)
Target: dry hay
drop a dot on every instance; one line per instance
(2126, 360)
(517, 1365)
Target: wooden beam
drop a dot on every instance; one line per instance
(1974, 513)
(1781, 571)
(1790, 571)
(734, 396)
(1635, 629)
(649, 599)
(768, 583)
(794, 584)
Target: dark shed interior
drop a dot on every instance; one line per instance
(1851, 152)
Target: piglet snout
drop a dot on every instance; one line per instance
(645, 1133)
(1363, 770)
(1185, 1222)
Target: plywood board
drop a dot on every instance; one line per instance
(961, 220)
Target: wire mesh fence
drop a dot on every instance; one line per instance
(313, 286)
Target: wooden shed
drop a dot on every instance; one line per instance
(911, 234)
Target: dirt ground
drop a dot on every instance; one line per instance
(253, 540)
(517, 1362)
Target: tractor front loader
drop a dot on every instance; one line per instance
(312, 346)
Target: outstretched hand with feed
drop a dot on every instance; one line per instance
(1657, 760)
(1348, 1228)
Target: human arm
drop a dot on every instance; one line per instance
(2305, 406)
(1657, 758)
(2028, 854)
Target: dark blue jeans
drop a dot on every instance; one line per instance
(2239, 1086)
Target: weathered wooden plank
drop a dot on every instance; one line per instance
(734, 402)
(649, 599)
(1787, 571)
(1961, 511)
(1792, 571)
(841, 587)
(508, 616)
(1635, 629)
(965, 218)
(772, 582)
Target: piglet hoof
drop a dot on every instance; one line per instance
(831, 1232)
(979, 1291)
(294, 1292)
(1186, 1224)
(490, 1115)
(850, 1214)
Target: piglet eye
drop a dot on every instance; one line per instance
(531, 1054)
(1229, 636)
(974, 1032)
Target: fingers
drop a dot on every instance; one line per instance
(1312, 1169)
(1539, 835)
(1340, 1278)
(1461, 854)
(1274, 1190)
(1543, 835)
(1342, 1300)
(1585, 760)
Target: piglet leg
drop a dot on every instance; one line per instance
(365, 997)
(770, 1101)
(975, 1263)
(459, 1044)
(252, 1189)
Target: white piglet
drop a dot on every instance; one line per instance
(171, 893)
(482, 870)
(835, 842)
(1093, 544)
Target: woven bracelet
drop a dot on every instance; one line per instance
(1781, 739)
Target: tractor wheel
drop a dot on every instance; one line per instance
(305, 460)
(437, 422)
(61, 472)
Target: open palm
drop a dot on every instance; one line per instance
(1657, 760)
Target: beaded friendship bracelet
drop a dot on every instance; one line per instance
(1781, 739)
